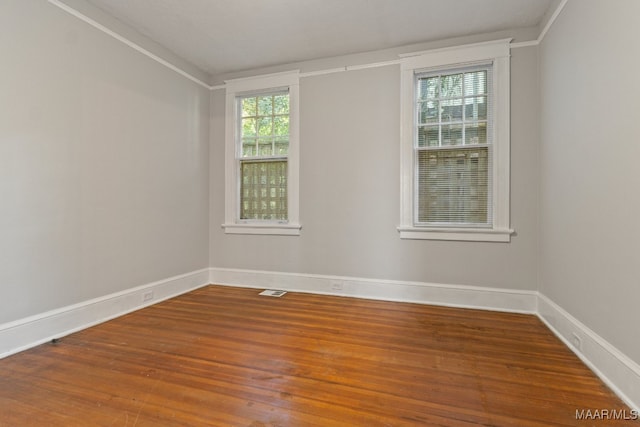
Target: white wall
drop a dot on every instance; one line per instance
(103, 164)
(350, 183)
(590, 146)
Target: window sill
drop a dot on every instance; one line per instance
(272, 229)
(458, 234)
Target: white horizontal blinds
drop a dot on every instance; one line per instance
(263, 148)
(453, 147)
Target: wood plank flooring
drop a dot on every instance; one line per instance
(223, 356)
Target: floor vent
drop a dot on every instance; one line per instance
(272, 293)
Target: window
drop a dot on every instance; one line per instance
(452, 148)
(263, 145)
(455, 144)
(261, 155)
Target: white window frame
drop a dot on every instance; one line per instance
(259, 84)
(498, 53)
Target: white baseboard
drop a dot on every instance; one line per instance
(619, 372)
(387, 290)
(25, 333)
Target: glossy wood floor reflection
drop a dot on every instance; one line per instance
(228, 357)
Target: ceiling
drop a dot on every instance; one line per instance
(224, 36)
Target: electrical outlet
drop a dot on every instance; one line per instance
(336, 285)
(576, 341)
(147, 296)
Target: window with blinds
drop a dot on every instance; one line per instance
(262, 154)
(452, 144)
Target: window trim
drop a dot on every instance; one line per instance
(498, 53)
(256, 85)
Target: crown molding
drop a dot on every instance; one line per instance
(127, 42)
(544, 31)
(142, 50)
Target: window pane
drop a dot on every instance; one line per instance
(281, 147)
(475, 83)
(428, 112)
(428, 88)
(451, 135)
(451, 86)
(248, 147)
(475, 108)
(281, 125)
(265, 105)
(453, 186)
(265, 126)
(263, 190)
(428, 136)
(248, 127)
(475, 133)
(249, 107)
(281, 104)
(452, 110)
(265, 147)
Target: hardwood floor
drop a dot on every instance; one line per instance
(227, 357)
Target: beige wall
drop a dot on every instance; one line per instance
(349, 190)
(103, 164)
(590, 146)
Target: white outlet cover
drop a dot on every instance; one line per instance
(336, 285)
(577, 342)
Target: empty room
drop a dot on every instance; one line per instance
(319, 213)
